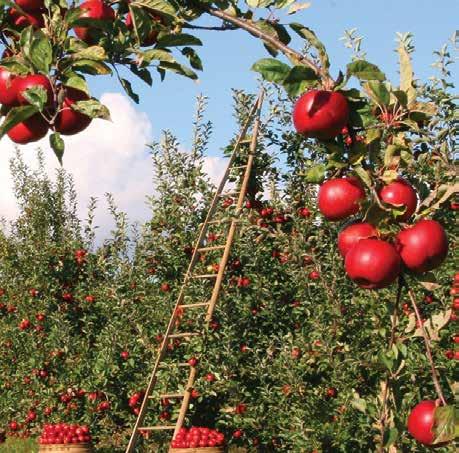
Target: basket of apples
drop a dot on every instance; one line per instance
(198, 440)
(65, 438)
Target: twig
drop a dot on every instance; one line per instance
(288, 51)
(203, 27)
(428, 349)
(383, 414)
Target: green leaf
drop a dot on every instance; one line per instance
(57, 145)
(386, 360)
(315, 174)
(95, 53)
(41, 53)
(16, 115)
(91, 67)
(311, 37)
(143, 74)
(15, 66)
(128, 89)
(406, 73)
(176, 40)
(378, 92)
(390, 436)
(444, 424)
(179, 69)
(148, 56)
(364, 70)
(298, 7)
(271, 69)
(193, 58)
(77, 82)
(389, 176)
(298, 80)
(92, 108)
(159, 6)
(363, 175)
(36, 96)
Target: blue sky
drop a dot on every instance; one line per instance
(228, 56)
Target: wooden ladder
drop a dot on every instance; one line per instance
(200, 246)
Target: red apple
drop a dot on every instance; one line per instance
(30, 130)
(423, 246)
(22, 84)
(30, 5)
(400, 194)
(320, 114)
(7, 92)
(352, 234)
(21, 21)
(96, 10)
(421, 421)
(339, 198)
(69, 121)
(152, 37)
(372, 263)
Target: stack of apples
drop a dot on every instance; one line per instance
(198, 437)
(64, 433)
(370, 261)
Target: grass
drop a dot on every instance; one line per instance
(19, 446)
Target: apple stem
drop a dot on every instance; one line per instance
(394, 322)
(428, 349)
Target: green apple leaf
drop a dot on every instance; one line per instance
(364, 70)
(57, 145)
(271, 69)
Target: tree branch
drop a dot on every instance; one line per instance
(202, 27)
(255, 31)
(428, 349)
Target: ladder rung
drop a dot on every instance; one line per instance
(156, 428)
(214, 247)
(204, 276)
(168, 365)
(184, 335)
(198, 304)
(229, 194)
(170, 396)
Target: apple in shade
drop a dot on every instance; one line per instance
(350, 235)
(153, 35)
(421, 421)
(423, 246)
(30, 5)
(340, 198)
(21, 21)
(400, 193)
(96, 10)
(30, 130)
(7, 93)
(320, 114)
(372, 263)
(69, 121)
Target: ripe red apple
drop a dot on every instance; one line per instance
(193, 361)
(339, 198)
(423, 246)
(124, 355)
(22, 84)
(304, 212)
(7, 92)
(152, 37)
(30, 130)
(372, 264)
(352, 234)
(320, 114)
(421, 421)
(400, 193)
(97, 10)
(314, 275)
(30, 5)
(69, 121)
(165, 287)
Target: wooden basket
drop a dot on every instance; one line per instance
(66, 448)
(197, 450)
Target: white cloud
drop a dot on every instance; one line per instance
(106, 157)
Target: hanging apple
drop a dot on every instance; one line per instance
(424, 246)
(400, 194)
(349, 236)
(372, 263)
(30, 130)
(340, 198)
(69, 121)
(320, 114)
(421, 421)
(96, 10)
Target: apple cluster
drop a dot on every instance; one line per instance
(198, 437)
(64, 433)
(372, 260)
